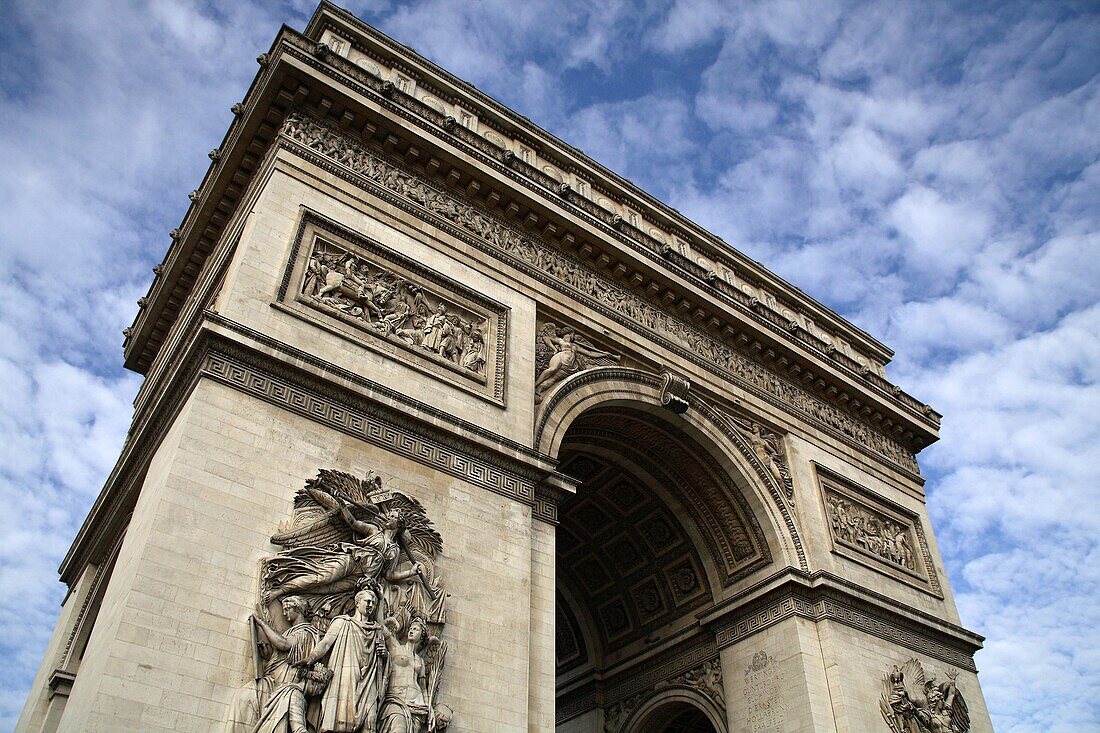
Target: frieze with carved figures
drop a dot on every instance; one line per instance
(371, 294)
(574, 275)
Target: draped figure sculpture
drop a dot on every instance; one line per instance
(353, 554)
(280, 653)
(286, 710)
(354, 649)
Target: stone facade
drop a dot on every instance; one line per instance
(438, 410)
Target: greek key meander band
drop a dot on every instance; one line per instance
(821, 609)
(372, 429)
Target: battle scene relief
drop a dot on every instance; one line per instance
(375, 297)
(346, 636)
(877, 533)
(913, 701)
(870, 531)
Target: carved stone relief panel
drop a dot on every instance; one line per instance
(876, 533)
(417, 195)
(561, 352)
(368, 293)
(768, 448)
(915, 702)
(349, 617)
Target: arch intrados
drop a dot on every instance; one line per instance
(659, 710)
(606, 387)
(655, 481)
(586, 624)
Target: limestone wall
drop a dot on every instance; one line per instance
(259, 265)
(172, 641)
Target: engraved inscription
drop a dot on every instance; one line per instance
(766, 707)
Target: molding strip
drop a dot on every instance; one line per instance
(823, 603)
(352, 416)
(340, 154)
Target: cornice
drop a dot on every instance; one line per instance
(250, 362)
(212, 204)
(273, 93)
(545, 260)
(823, 596)
(443, 84)
(659, 255)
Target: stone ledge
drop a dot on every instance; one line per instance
(823, 596)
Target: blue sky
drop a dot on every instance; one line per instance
(929, 170)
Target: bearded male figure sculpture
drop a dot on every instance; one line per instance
(356, 577)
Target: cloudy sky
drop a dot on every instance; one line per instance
(929, 170)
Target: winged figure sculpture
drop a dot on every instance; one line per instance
(561, 352)
(346, 532)
(912, 703)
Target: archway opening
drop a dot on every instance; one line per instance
(677, 717)
(655, 530)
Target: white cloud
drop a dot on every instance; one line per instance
(942, 235)
(929, 170)
(108, 114)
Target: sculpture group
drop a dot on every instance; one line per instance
(395, 307)
(912, 703)
(346, 634)
(870, 532)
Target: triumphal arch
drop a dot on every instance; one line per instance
(447, 427)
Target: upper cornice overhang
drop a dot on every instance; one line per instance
(300, 72)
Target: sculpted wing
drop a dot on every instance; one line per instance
(914, 681)
(341, 485)
(424, 539)
(319, 526)
(542, 351)
(588, 362)
(960, 713)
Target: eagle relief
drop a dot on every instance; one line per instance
(346, 633)
(912, 703)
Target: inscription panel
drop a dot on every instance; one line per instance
(766, 706)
